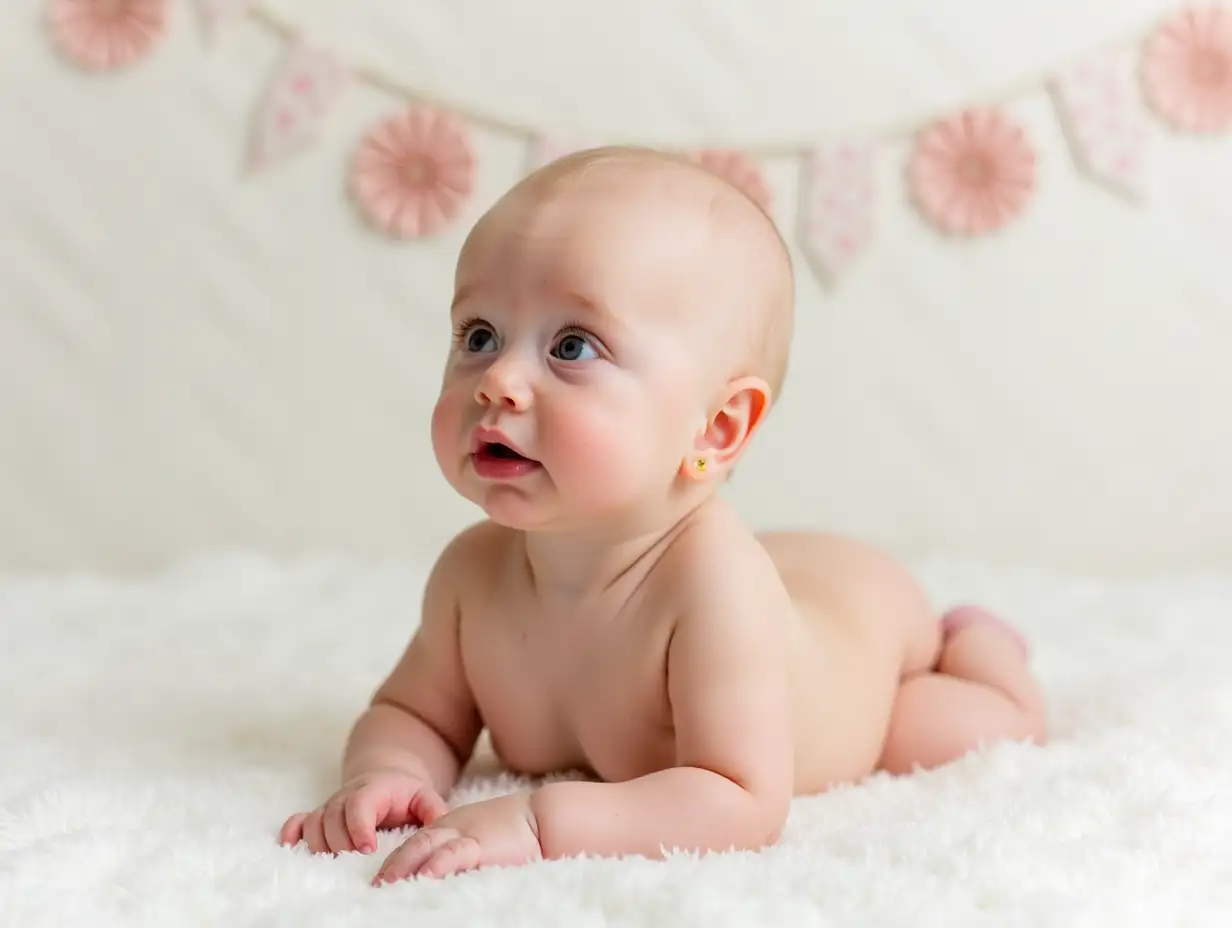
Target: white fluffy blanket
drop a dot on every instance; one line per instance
(155, 734)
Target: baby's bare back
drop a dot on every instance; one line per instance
(584, 686)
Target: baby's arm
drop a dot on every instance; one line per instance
(729, 685)
(423, 719)
(404, 753)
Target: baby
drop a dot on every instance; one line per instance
(621, 328)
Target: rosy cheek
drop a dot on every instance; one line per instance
(446, 420)
(595, 440)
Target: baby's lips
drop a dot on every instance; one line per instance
(484, 436)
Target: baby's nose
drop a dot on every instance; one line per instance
(504, 385)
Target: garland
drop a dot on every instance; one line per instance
(969, 173)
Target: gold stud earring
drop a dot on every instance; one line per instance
(701, 465)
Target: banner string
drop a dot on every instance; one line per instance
(1007, 93)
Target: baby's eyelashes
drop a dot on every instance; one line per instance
(475, 336)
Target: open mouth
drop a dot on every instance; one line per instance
(498, 454)
(502, 452)
(494, 458)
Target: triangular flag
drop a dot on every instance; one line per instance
(217, 14)
(838, 205)
(1105, 123)
(296, 104)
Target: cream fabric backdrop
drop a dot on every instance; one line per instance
(192, 360)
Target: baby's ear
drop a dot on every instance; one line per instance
(731, 428)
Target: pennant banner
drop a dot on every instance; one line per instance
(1105, 120)
(297, 103)
(970, 173)
(837, 206)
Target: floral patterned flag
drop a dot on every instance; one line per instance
(1106, 125)
(741, 170)
(296, 104)
(838, 205)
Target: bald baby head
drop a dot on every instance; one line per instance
(746, 290)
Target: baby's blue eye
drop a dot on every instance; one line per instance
(571, 348)
(479, 339)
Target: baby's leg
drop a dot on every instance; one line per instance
(980, 690)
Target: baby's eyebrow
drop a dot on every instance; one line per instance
(587, 305)
(569, 298)
(597, 313)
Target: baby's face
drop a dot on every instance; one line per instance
(576, 382)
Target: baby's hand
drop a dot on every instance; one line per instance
(499, 832)
(349, 819)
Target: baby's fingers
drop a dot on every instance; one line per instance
(456, 856)
(413, 854)
(314, 833)
(427, 805)
(337, 836)
(293, 829)
(364, 809)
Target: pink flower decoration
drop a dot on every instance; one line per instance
(972, 173)
(107, 34)
(739, 170)
(413, 172)
(1187, 69)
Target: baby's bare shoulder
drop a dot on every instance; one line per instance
(718, 562)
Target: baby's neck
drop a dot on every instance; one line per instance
(585, 565)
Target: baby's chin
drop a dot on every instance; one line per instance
(520, 519)
(546, 512)
(513, 505)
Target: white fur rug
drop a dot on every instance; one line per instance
(155, 734)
